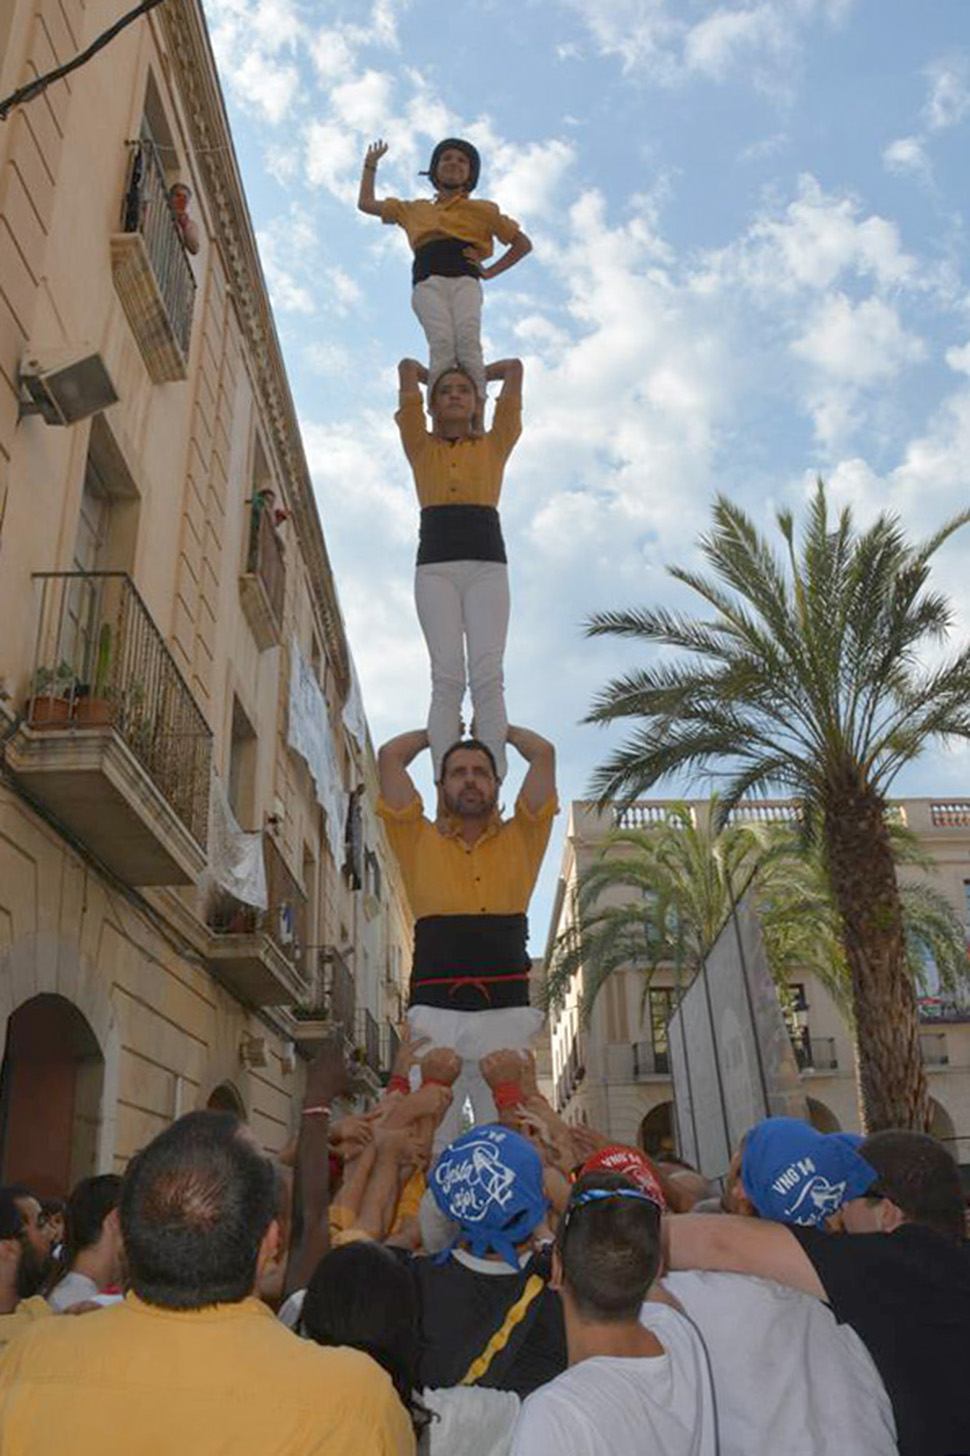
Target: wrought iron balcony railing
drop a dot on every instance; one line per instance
(148, 211)
(369, 1039)
(814, 1053)
(284, 919)
(100, 661)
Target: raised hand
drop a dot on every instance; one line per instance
(374, 152)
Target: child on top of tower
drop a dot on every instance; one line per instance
(451, 237)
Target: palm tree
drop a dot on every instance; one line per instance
(663, 894)
(653, 896)
(808, 677)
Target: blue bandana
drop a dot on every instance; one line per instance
(795, 1174)
(489, 1182)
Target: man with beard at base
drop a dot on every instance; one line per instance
(469, 878)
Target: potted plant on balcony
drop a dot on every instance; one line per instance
(95, 707)
(50, 703)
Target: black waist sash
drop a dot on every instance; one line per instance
(460, 533)
(470, 962)
(442, 258)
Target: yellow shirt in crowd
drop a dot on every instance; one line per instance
(459, 472)
(474, 220)
(228, 1379)
(444, 875)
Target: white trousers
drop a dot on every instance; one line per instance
(472, 1034)
(450, 312)
(465, 603)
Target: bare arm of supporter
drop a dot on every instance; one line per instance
(411, 373)
(518, 249)
(310, 1239)
(740, 1246)
(396, 1156)
(366, 200)
(397, 788)
(539, 784)
(510, 371)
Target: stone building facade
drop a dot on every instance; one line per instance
(194, 886)
(614, 1072)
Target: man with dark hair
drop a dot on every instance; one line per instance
(16, 1313)
(638, 1378)
(192, 1361)
(93, 1255)
(469, 879)
(901, 1279)
(35, 1239)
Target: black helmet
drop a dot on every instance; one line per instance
(460, 145)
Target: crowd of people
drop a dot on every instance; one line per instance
(530, 1289)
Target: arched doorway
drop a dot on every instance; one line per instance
(822, 1117)
(656, 1135)
(225, 1098)
(51, 1085)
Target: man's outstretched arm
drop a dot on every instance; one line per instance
(397, 787)
(539, 784)
(740, 1246)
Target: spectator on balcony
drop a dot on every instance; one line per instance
(179, 197)
(92, 1260)
(901, 1281)
(469, 878)
(191, 1361)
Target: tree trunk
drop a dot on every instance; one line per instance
(892, 1086)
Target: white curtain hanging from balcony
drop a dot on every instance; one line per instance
(236, 861)
(310, 736)
(354, 719)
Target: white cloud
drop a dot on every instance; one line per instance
(809, 245)
(327, 359)
(333, 159)
(858, 344)
(948, 101)
(363, 103)
(908, 155)
(959, 359)
(653, 37)
(717, 44)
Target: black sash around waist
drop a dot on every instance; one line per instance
(470, 962)
(442, 258)
(460, 533)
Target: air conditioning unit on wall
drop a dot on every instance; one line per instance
(65, 386)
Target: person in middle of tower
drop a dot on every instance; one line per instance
(451, 236)
(461, 587)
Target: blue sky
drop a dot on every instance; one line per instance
(750, 267)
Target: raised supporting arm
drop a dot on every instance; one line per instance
(397, 788)
(539, 784)
(366, 201)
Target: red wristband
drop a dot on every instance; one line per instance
(399, 1083)
(507, 1094)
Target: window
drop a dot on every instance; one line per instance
(242, 768)
(662, 1003)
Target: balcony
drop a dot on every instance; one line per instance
(814, 1053)
(151, 269)
(260, 955)
(648, 1063)
(333, 1008)
(113, 743)
(932, 1046)
(369, 1040)
(262, 586)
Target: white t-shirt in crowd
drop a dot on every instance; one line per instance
(613, 1406)
(472, 1420)
(787, 1376)
(72, 1289)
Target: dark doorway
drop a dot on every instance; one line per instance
(50, 1097)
